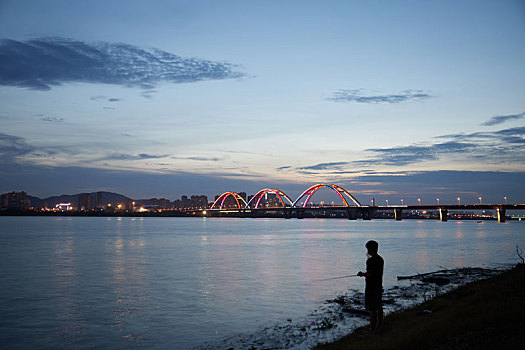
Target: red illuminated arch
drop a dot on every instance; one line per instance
(259, 195)
(241, 203)
(339, 190)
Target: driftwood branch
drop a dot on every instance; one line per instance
(520, 252)
(452, 272)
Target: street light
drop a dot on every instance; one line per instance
(401, 201)
(505, 199)
(419, 201)
(479, 200)
(387, 202)
(437, 200)
(459, 201)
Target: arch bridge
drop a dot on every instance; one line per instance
(288, 208)
(284, 199)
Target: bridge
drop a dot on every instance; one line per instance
(351, 207)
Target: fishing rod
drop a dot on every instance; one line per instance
(333, 278)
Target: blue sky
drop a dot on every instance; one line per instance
(388, 99)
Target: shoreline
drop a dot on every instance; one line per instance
(345, 315)
(484, 314)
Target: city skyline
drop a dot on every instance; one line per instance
(387, 99)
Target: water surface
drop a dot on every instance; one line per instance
(84, 282)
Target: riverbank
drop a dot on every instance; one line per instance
(486, 314)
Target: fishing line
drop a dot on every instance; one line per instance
(333, 278)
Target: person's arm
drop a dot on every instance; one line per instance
(369, 271)
(365, 274)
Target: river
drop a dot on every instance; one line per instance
(180, 283)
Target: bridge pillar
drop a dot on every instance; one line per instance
(300, 214)
(397, 214)
(366, 214)
(443, 214)
(501, 214)
(287, 213)
(352, 213)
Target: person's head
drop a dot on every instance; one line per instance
(372, 247)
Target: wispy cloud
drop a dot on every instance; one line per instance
(322, 166)
(141, 156)
(12, 147)
(498, 147)
(358, 96)
(281, 168)
(506, 146)
(200, 158)
(53, 119)
(405, 155)
(43, 63)
(503, 118)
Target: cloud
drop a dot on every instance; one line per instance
(200, 159)
(53, 119)
(506, 146)
(505, 136)
(497, 147)
(141, 156)
(357, 96)
(42, 63)
(503, 118)
(12, 147)
(112, 99)
(405, 155)
(322, 166)
(283, 168)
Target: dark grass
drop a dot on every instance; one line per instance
(486, 314)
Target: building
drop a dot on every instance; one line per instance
(99, 204)
(86, 202)
(15, 200)
(194, 202)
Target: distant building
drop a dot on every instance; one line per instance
(194, 202)
(86, 202)
(99, 204)
(14, 200)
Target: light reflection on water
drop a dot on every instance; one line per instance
(177, 282)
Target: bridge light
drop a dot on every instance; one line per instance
(479, 200)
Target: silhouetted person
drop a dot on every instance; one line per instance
(373, 285)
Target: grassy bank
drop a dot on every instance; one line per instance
(486, 314)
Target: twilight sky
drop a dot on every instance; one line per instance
(388, 99)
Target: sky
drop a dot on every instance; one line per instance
(388, 99)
